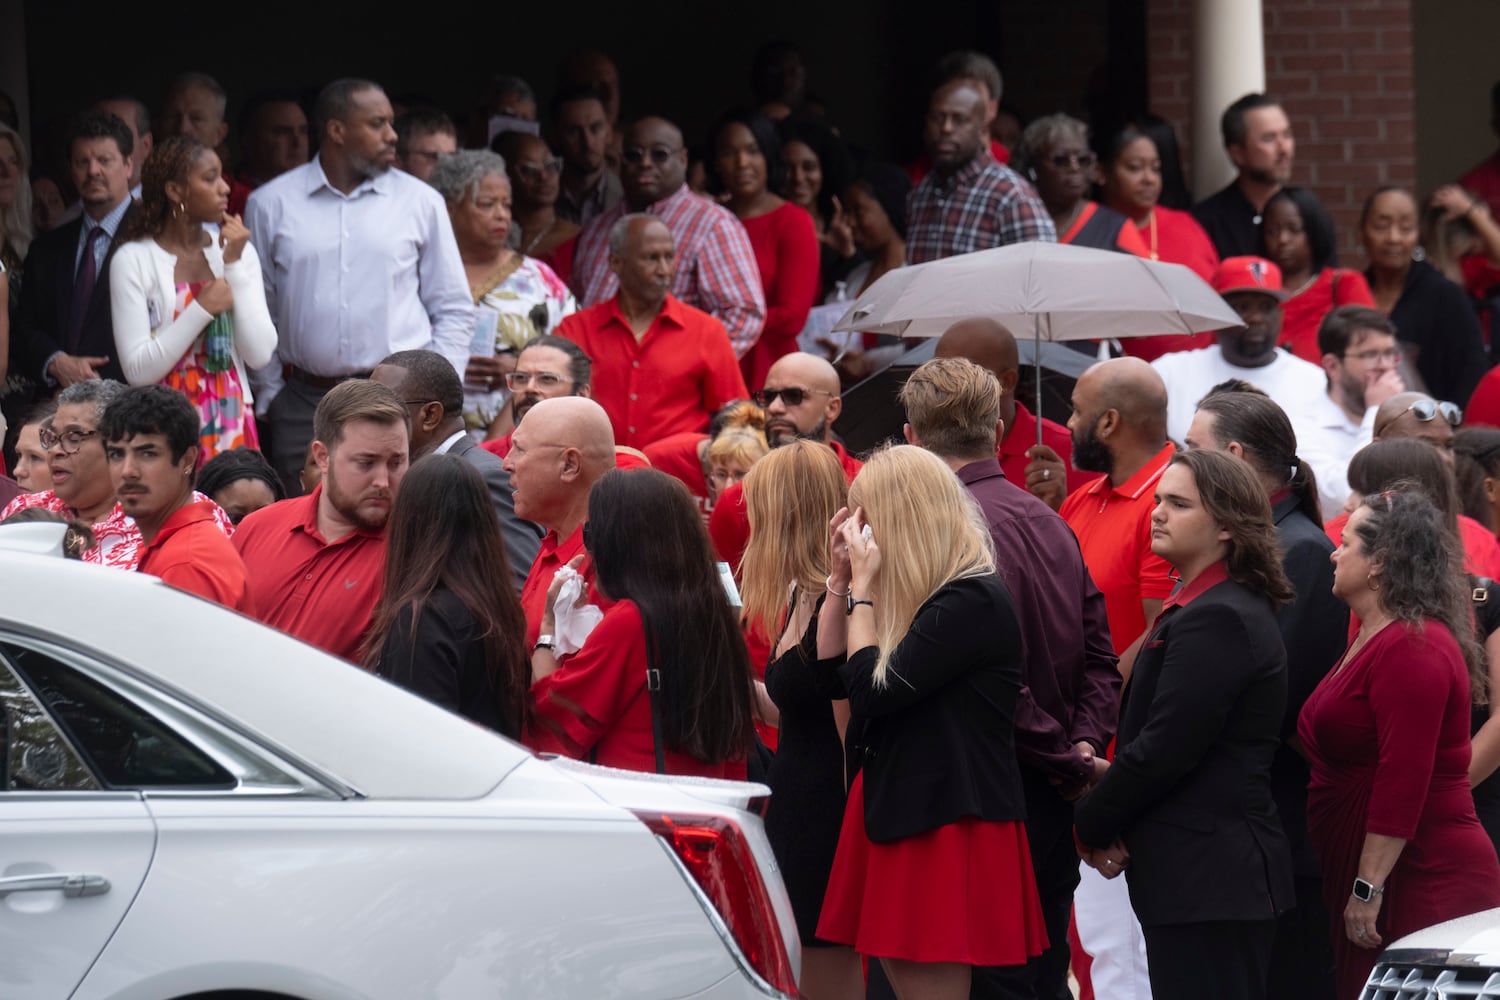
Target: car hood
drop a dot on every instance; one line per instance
(1476, 936)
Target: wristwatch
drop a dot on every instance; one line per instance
(1365, 890)
(850, 603)
(545, 642)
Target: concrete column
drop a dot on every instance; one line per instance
(1229, 61)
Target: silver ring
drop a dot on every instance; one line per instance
(1046, 473)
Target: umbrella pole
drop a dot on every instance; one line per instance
(1037, 360)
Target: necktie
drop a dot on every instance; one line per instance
(83, 288)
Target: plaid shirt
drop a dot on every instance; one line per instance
(980, 206)
(716, 269)
(118, 538)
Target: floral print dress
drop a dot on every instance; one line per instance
(206, 375)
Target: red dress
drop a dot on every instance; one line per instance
(595, 706)
(1175, 237)
(1387, 736)
(786, 253)
(1303, 313)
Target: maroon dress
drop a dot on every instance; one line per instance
(1388, 740)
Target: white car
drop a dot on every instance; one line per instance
(1456, 958)
(194, 805)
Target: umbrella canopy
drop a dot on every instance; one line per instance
(1050, 291)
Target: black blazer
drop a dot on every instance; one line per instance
(42, 321)
(1189, 790)
(939, 739)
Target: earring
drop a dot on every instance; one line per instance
(1370, 582)
(1418, 253)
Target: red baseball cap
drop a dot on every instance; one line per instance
(1249, 274)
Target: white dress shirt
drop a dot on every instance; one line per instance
(1326, 440)
(353, 278)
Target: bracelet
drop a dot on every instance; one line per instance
(828, 586)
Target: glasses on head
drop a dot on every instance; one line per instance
(1390, 356)
(636, 155)
(792, 397)
(1064, 160)
(726, 477)
(543, 380)
(534, 171)
(1428, 409)
(68, 442)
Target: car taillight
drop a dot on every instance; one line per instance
(717, 856)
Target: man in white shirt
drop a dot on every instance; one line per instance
(1361, 363)
(1252, 287)
(360, 262)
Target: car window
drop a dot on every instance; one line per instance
(123, 745)
(34, 755)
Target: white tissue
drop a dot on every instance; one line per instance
(574, 619)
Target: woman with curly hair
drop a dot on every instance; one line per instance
(188, 305)
(1387, 733)
(1187, 800)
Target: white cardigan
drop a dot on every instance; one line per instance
(143, 292)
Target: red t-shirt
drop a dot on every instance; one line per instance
(673, 380)
(595, 706)
(318, 591)
(1303, 313)
(1011, 452)
(191, 553)
(1113, 525)
(677, 456)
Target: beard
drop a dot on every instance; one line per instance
(367, 168)
(1092, 455)
(817, 433)
(1354, 390)
(349, 506)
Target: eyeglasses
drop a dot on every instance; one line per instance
(534, 171)
(543, 380)
(635, 155)
(1426, 409)
(1064, 160)
(1390, 356)
(723, 477)
(418, 402)
(792, 397)
(67, 442)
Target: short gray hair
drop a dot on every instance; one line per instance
(98, 391)
(457, 175)
(1043, 132)
(620, 231)
(204, 81)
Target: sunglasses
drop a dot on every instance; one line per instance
(792, 397)
(1426, 409)
(636, 155)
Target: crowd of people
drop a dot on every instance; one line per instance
(539, 420)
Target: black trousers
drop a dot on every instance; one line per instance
(1302, 965)
(1223, 959)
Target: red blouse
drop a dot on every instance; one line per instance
(1303, 313)
(1175, 237)
(786, 253)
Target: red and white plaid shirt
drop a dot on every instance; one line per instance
(980, 206)
(716, 269)
(119, 540)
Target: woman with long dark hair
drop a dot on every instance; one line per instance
(663, 681)
(449, 626)
(1390, 810)
(1187, 801)
(189, 307)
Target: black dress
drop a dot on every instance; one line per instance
(806, 777)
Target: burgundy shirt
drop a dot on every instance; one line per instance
(1070, 682)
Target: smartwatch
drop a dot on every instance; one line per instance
(850, 603)
(545, 642)
(1365, 890)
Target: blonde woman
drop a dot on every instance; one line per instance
(736, 448)
(933, 872)
(790, 497)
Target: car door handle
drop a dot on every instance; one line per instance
(69, 884)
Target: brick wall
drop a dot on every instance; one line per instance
(1343, 70)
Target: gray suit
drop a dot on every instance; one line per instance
(522, 538)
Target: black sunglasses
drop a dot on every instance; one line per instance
(793, 397)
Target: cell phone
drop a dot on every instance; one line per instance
(866, 533)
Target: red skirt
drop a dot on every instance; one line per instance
(965, 892)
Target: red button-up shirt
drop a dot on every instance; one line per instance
(670, 381)
(1022, 435)
(191, 553)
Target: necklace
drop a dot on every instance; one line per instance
(1302, 287)
(540, 236)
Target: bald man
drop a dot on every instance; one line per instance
(556, 456)
(716, 269)
(1119, 429)
(802, 402)
(661, 367)
(1045, 470)
(1418, 415)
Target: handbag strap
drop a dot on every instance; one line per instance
(653, 685)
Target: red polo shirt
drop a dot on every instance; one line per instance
(670, 381)
(1022, 435)
(552, 556)
(318, 591)
(191, 553)
(1114, 531)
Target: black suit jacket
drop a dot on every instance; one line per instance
(522, 538)
(1189, 790)
(42, 323)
